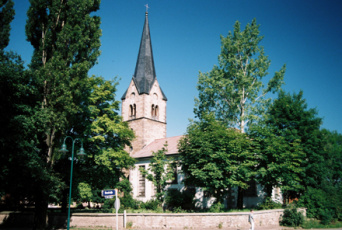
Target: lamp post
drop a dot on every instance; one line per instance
(81, 153)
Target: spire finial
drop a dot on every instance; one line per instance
(147, 8)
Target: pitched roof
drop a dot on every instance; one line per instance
(158, 144)
(145, 73)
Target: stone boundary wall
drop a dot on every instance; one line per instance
(266, 218)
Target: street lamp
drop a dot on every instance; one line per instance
(81, 153)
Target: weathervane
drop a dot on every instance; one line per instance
(147, 8)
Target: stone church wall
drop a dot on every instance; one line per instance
(238, 220)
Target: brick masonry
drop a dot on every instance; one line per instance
(146, 127)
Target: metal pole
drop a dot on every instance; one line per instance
(72, 165)
(117, 219)
(124, 219)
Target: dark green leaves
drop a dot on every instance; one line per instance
(216, 157)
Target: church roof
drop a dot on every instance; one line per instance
(145, 73)
(158, 144)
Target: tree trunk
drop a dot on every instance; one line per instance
(240, 198)
(41, 208)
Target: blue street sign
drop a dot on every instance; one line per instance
(110, 192)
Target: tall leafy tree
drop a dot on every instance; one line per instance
(324, 200)
(216, 158)
(159, 172)
(16, 140)
(290, 144)
(6, 16)
(234, 90)
(65, 37)
(107, 135)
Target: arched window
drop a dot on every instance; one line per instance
(156, 112)
(152, 111)
(132, 110)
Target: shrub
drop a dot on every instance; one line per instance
(292, 218)
(216, 207)
(177, 199)
(269, 204)
(323, 204)
(151, 205)
(108, 204)
(127, 202)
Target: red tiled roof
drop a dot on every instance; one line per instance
(158, 144)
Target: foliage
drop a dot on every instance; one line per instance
(85, 192)
(153, 204)
(161, 171)
(322, 204)
(6, 16)
(176, 199)
(289, 145)
(216, 207)
(234, 90)
(269, 204)
(20, 167)
(127, 200)
(292, 218)
(107, 135)
(216, 157)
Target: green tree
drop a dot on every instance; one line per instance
(324, 201)
(234, 90)
(65, 37)
(290, 145)
(216, 157)
(85, 192)
(6, 17)
(159, 172)
(17, 144)
(107, 135)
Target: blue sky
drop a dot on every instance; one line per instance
(305, 35)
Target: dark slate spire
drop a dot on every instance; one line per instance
(145, 74)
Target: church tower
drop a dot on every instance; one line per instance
(144, 103)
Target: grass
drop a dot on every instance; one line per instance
(308, 224)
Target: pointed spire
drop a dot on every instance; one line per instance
(145, 74)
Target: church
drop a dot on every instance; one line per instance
(144, 108)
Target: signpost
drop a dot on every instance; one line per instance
(117, 207)
(109, 194)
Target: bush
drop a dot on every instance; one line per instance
(181, 200)
(323, 204)
(269, 204)
(216, 207)
(151, 205)
(127, 202)
(292, 218)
